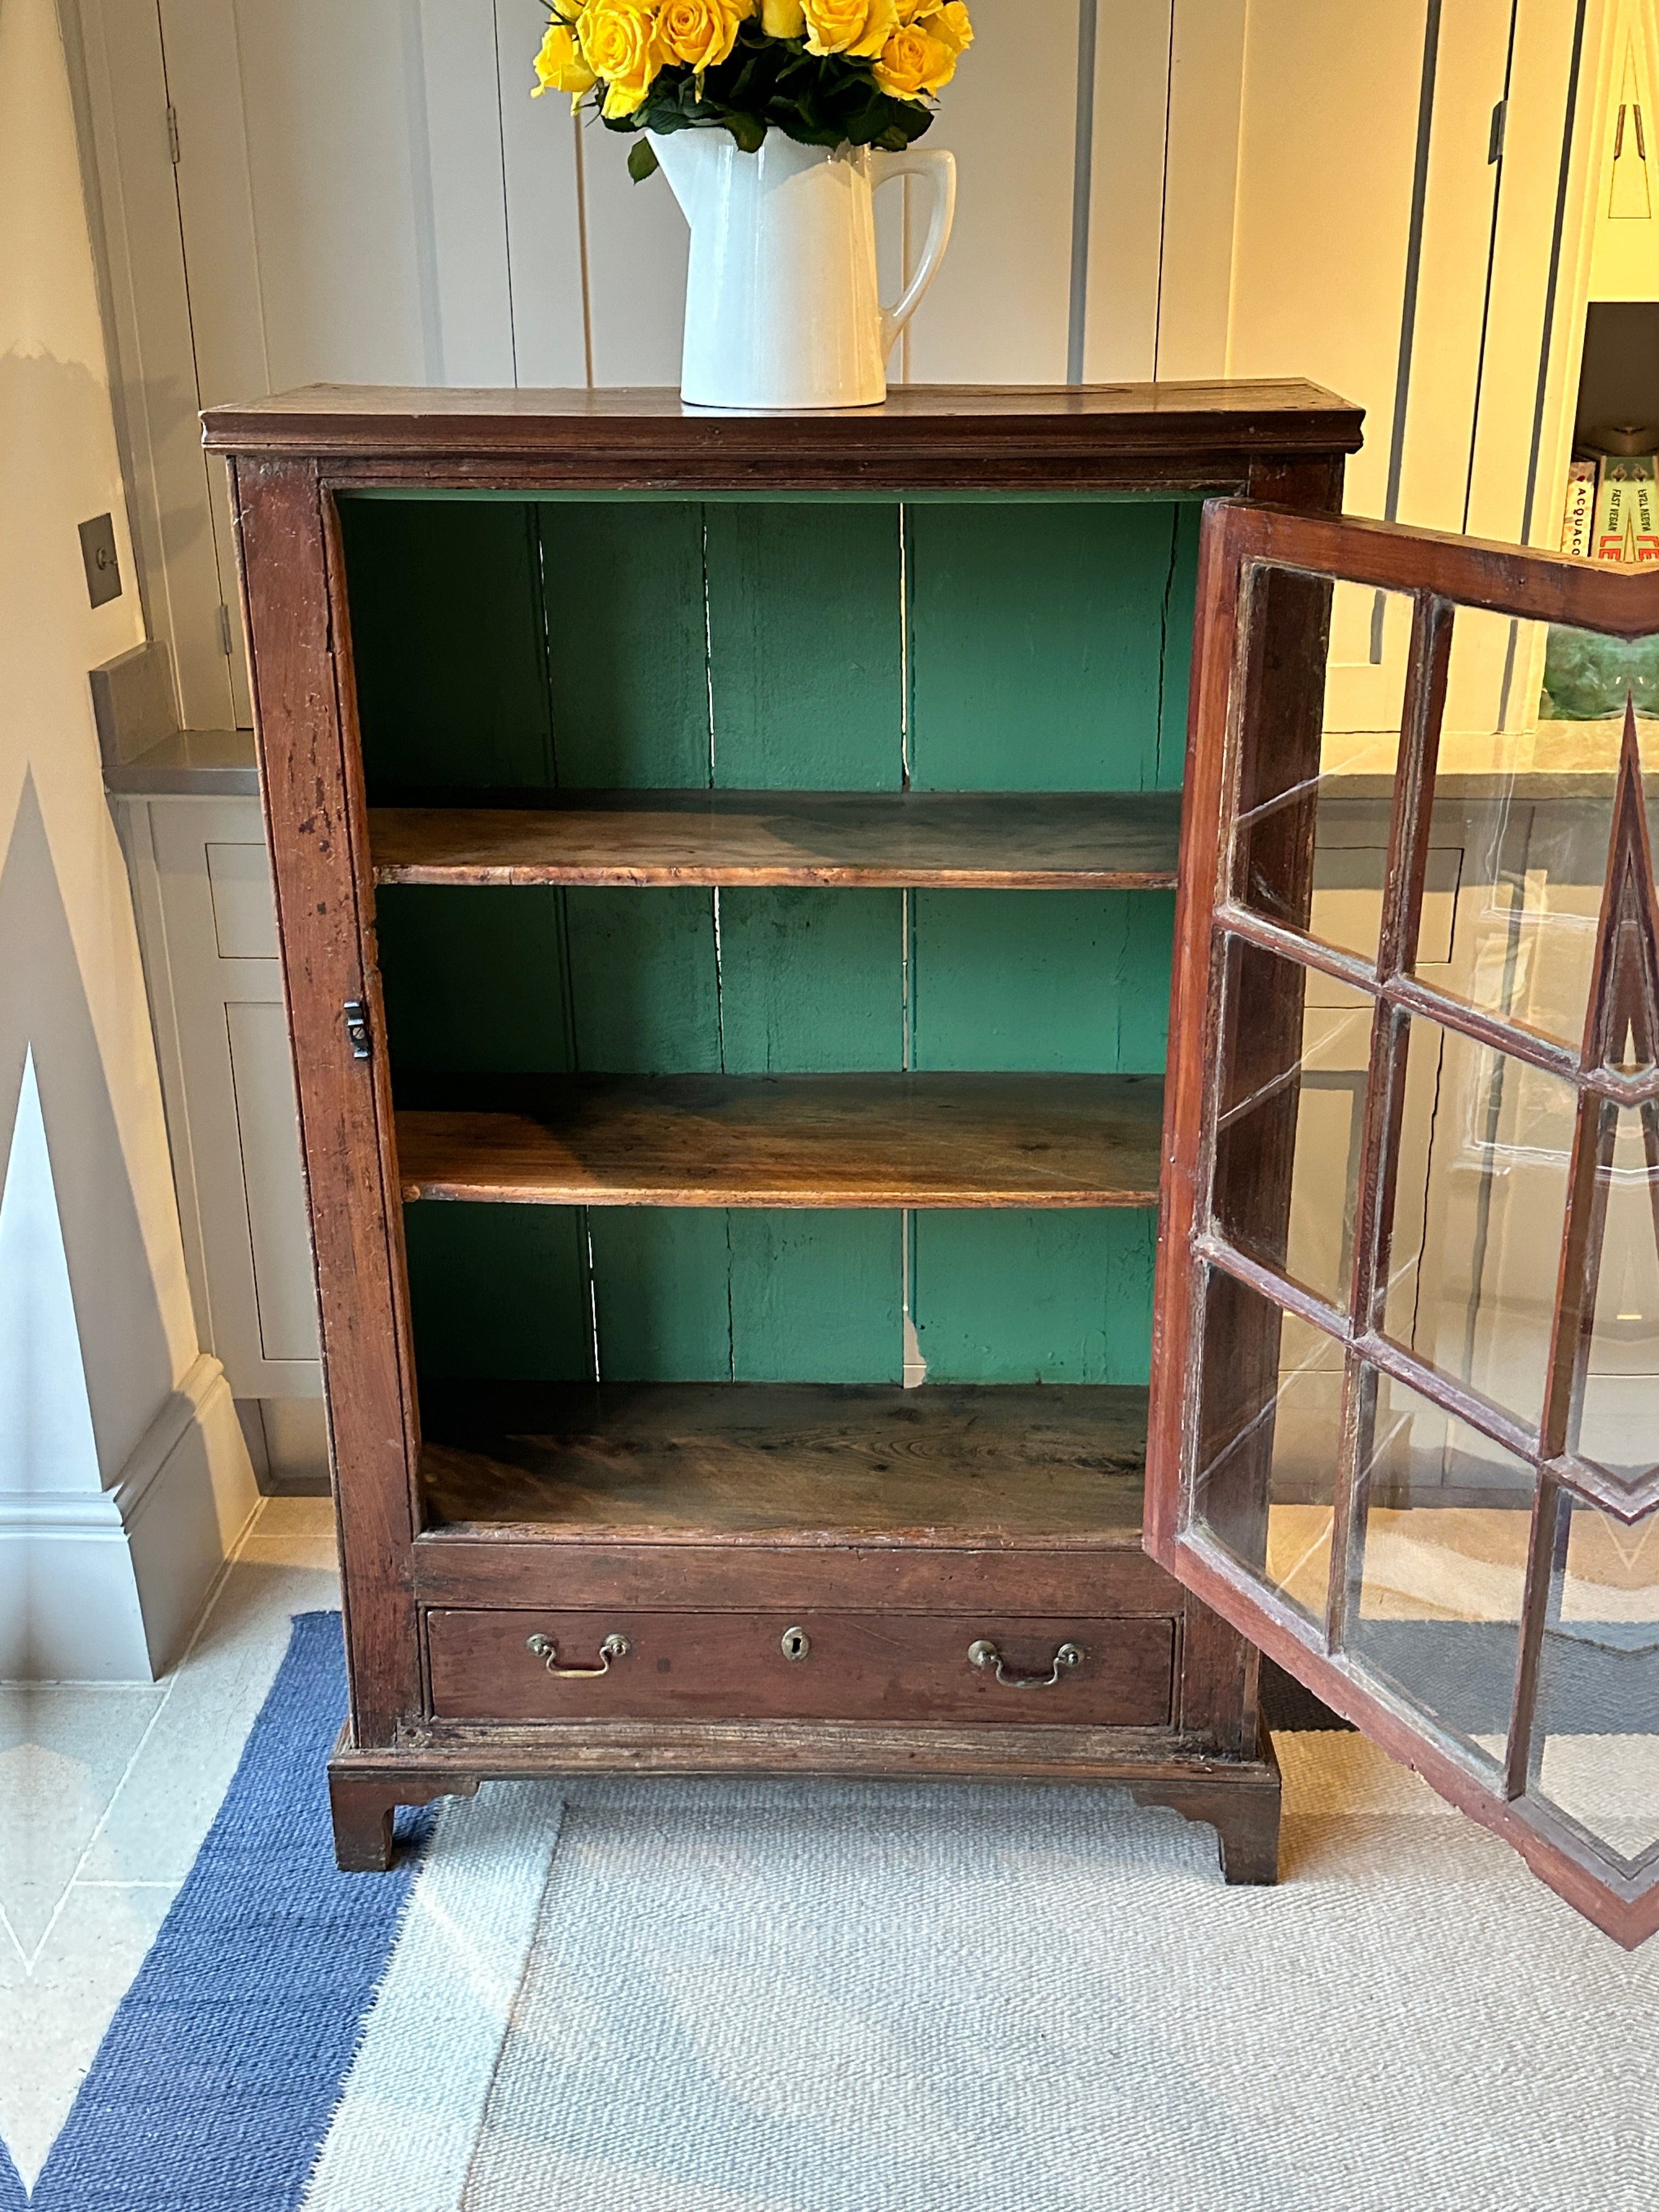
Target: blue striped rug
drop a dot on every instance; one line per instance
(214, 2087)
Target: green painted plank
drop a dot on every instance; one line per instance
(499, 1292)
(1180, 610)
(705, 1296)
(811, 982)
(806, 632)
(816, 1297)
(659, 1289)
(447, 646)
(1037, 655)
(474, 979)
(626, 649)
(1072, 981)
(643, 981)
(1059, 1297)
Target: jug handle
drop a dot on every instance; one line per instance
(940, 169)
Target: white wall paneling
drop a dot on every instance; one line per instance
(544, 211)
(209, 933)
(1127, 185)
(1000, 309)
(1204, 92)
(154, 368)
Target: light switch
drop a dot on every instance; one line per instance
(98, 555)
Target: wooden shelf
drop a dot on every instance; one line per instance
(796, 1140)
(984, 840)
(793, 1463)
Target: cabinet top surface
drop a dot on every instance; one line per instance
(1043, 422)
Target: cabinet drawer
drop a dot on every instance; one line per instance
(857, 1667)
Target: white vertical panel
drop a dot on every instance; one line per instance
(543, 217)
(1206, 81)
(1126, 198)
(1323, 220)
(1451, 291)
(999, 308)
(154, 371)
(344, 223)
(1521, 280)
(268, 1128)
(637, 245)
(463, 133)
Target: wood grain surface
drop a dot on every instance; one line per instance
(861, 1666)
(964, 434)
(800, 1140)
(814, 1465)
(990, 841)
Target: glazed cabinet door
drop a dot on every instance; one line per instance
(1406, 1389)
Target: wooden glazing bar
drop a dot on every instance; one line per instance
(1546, 1566)
(1403, 991)
(1420, 748)
(1043, 841)
(794, 1140)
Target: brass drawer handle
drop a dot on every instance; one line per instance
(985, 1654)
(543, 1648)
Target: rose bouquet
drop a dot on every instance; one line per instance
(824, 72)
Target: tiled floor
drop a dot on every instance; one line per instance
(119, 1783)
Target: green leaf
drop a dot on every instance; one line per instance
(642, 160)
(749, 131)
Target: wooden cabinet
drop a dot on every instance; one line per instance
(725, 876)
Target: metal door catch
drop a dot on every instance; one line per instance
(356, 1028)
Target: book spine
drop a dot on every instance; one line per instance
(1645, 510)
(1611, 512)
(1578, 515)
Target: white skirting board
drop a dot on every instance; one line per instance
(104, 1586)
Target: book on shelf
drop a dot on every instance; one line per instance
(1627, 510)
(1578, 515)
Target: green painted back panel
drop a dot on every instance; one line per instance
(1046, 649)
(448, 644)
(589, 642)
(805, 626)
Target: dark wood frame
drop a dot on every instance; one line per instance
(1440, 574)
(289, 457)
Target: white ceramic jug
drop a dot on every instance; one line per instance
(781, 307)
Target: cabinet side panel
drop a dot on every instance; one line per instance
(313, 807)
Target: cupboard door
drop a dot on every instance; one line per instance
(1405, 1419)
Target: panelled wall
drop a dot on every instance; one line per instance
(1377, 198)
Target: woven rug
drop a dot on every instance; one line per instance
(799, 1997)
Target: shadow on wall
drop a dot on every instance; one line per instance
(42, 1006)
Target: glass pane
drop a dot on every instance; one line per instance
(1441, 1567)
(1296, 1048)
(1524, 790)
(1486, 1145)
(1322, 741)
(1617, 1422)
(1597, 1724)
(1269, 1431)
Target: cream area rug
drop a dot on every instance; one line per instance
(793, 1997)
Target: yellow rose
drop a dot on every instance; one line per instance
(783, 19)
(914, 66)
(946, 20)
(560, 65)
(619, 39)
(849, 26)
(699, 32)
